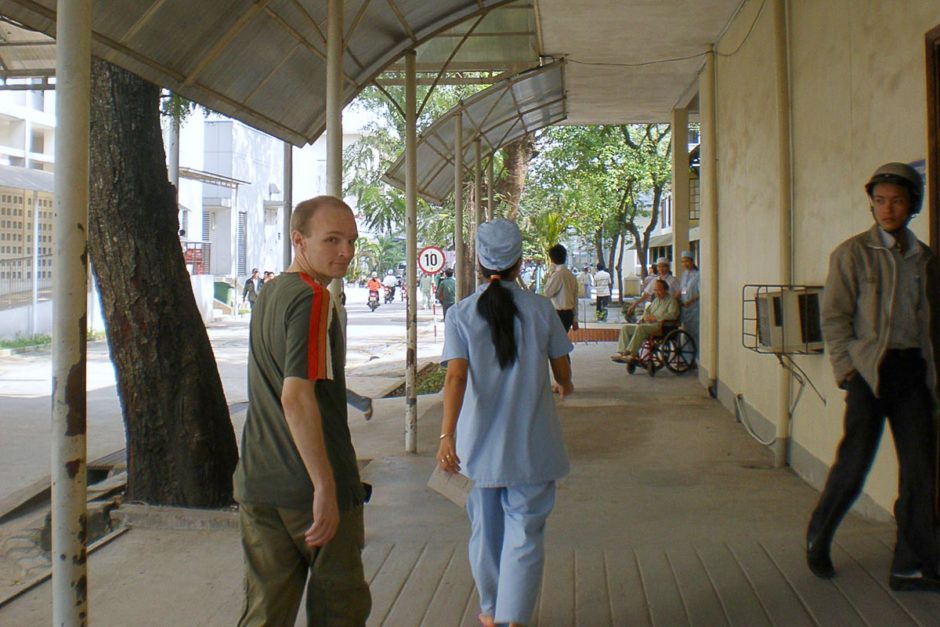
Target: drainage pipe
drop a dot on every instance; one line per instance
(784, 201)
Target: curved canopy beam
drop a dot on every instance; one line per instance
(496, 116)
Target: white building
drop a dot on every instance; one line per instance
(230, 190)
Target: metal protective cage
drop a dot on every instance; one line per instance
(781, 319)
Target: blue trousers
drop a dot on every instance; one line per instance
(507, 552)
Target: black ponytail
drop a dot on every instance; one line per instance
(499, 310)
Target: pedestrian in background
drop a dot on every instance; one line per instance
(561, 287)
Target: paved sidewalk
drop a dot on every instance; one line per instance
(672, 515)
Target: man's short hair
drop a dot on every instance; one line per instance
(558, 254)
(449, 272)
(664, 283)
(303, 212)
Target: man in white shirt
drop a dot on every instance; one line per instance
(602, 287)
(561, 287)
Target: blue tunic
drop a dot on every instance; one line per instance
(508, 431)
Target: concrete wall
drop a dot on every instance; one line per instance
(21, 321)
(858, 99)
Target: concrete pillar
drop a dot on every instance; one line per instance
(411, 251)
(708, 351)
(334, 110)
(69, 311)
(286, 248)
(458, 207)
(680, 185)
(477, 209)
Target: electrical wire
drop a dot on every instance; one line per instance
(637, 64)
(747, 36)
(742, 414)
(689, 57)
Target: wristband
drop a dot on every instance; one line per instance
(445, 435)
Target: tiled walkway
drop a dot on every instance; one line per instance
(672, 515)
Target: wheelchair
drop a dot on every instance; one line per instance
(674, 348)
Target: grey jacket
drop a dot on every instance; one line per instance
(858, 302)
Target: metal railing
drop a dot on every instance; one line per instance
(16, 280)
(198, 257)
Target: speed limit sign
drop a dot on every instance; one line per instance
(431, 259)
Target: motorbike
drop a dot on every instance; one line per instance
(389, 294)
(373, 300)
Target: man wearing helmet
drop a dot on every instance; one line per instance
(879, 319)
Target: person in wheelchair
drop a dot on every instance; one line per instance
(664, 309)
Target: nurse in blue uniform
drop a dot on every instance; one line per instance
(500, 427)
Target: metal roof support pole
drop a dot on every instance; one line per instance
(334, 111)
(490, 194)
(411, 249)
(288, 203)
(477, 208)
(680, 185)
(458, 204)
(173, 153)
(708, 352)
(69, 310)
(34, 300)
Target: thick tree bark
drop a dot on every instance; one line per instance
(516, 156)
(180, 442)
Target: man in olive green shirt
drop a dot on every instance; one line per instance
(663, 308)
(297, 482)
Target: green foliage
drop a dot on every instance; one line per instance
(377, 255)
(175, 106)
(24, 341)
(382, 205)
(598, 181)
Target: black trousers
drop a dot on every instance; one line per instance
(567, 318)
(906, 402)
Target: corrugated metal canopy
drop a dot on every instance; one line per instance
(263, 61)
(24, 52)
(497, 115)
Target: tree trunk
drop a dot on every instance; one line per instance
(623, 239)
(180, 442)
(613, 252)
(516, 156)
(640, 248)
(599, 245)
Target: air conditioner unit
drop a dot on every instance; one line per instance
(770, 320)
(788, 320)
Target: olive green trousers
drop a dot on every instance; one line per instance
(279, 566)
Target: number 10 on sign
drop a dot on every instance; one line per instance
(431, 259)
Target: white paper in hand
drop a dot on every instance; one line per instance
(454, 487)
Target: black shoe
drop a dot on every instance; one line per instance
(920, 583)
(818, 560)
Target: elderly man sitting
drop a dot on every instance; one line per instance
(664, 308)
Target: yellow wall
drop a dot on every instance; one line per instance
(858, 99)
